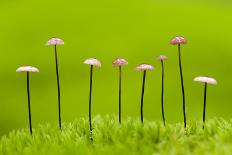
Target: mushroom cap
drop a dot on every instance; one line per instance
(143, 67)
(119, 62)
(92, 61)
(161, 57)
(205, 79)
(178, 40)
(55, 41)
(27, 69)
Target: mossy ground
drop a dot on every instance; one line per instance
(128, 138)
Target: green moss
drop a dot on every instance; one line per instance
(129, 138)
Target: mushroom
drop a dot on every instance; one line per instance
(28, 69)
(162, 58)
(119, 63)
(92, 62)
(206, 80)
(54, 42)
(178, 40)
(144, 68)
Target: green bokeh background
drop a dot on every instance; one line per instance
(137, 30)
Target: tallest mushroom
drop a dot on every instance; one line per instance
(178, 40)
(54, 42)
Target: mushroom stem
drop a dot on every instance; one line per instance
(162, 92)
(90, 100)
(143, 86)
(182, 84)
(204, 109)
(119, 93)
(29, 103)
(58, 86)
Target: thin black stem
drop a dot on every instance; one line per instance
(90, 101)
(119, 93)
(29, 103)
(162, 92)
(204, 109)
(182, 85)
(58, 87)
(143, 86)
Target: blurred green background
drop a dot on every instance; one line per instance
(137, 30)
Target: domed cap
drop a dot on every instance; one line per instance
(119, 62)
(143, 67)
(92, 61)
(161, 57)
(55, 41)
(27, 69)
(178, 40)
(205, 79)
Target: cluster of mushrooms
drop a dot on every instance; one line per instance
(119, 62)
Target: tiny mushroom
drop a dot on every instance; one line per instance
(162, 58)
(144, 68)
(179, 40)
(54, 42)
(28, 69)
(92, 62)
(119, 62)
(206, 80)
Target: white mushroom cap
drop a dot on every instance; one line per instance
(143, 67)
(178, 40)
(55, 41)
(92, 61)
(161, 58)
(27, 69)
(205, 79)
(119, 62)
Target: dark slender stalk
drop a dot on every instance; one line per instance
(29, 103)
(182, 85)
(58, 86)
(119, 93)
(90, 101)
(204, 109)
(162, 92)
(143, 86)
